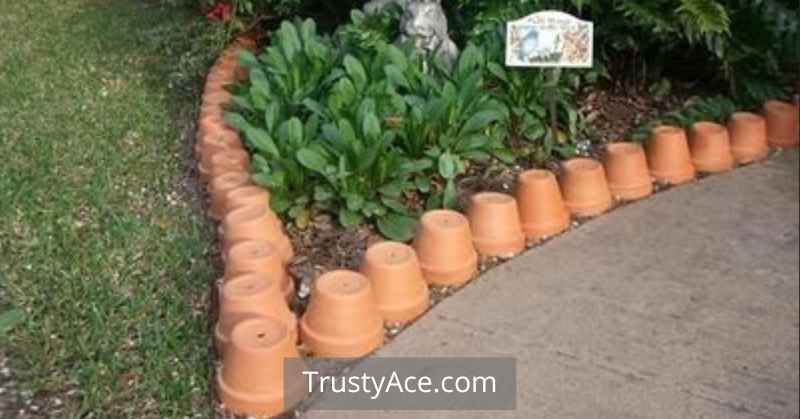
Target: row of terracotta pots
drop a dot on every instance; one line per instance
(256, 331)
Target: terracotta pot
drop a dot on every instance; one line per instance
(496, 226)
(668, 156)
(444, 247)
(585, 188)
(246, 196)
(224, 162)
(217, 142)
(783, 129)
(342, 320)
(247, 296)
(255, 222)
(219, 97)
(260, 257)
(628, 175)
(251, 380)
(711, 148)
(541, 207)
(218, 190)
(748, 133)
(400, 289)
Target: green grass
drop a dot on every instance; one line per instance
(100, 246)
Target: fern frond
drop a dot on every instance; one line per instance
(704, 17)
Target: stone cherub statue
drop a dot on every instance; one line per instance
(423, 22)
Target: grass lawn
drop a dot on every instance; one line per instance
(101, 250)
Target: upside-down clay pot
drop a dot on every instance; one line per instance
(748, 133)
(247, 296)
(259, 257)
(246, 196)
(783, 129)
(218, 142)
(445, 250)
(495, 223)
(668, 156)
(541, 206)
(626, 168)
(401, 292)
(251, 379)
(255, 222)
(585, 188)
(342, 320)
(224, 162)
(711, 148)
(218, 190)
(217, 97)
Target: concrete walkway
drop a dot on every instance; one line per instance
(681, 306)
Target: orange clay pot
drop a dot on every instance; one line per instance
(748, 133)
(260, 257)
(217, 142)
(342, 320)
(219, 187)
(224, 162)
(444, 247)
(584, 187)
(246, 196)
(668, 156)
(247, 296)
(400, 289)
(217, 97)
(251, 380)
(496, 227)
(541, 207)
(711, 148)
(255, 222)
(782, 124)
(628, 175)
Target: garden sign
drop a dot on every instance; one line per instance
(550, 39)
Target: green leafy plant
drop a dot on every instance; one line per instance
(298, 65)
(364, 177)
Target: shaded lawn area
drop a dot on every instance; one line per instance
(101, 246)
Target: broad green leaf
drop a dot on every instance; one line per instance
(349, 219)
(312, 160)
(447, 166)
(247, 59)
(372, 127)
(423, 184)
(498, 71)
(236, 121)
(397, 227)
(450, 197)
(392, 190)
(396, 76)
(356, 71)
(262, 141)
(289, 40)
(294, 132)
(279, 202)
(394, 205)
(481, 120)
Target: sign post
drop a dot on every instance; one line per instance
(554, 40)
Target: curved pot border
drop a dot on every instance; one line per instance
(227, 69)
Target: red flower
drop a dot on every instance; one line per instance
(222, 12)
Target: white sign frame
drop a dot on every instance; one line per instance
(542, 34)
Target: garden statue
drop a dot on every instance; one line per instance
(424, 23)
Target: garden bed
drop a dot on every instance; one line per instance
(354, 141)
